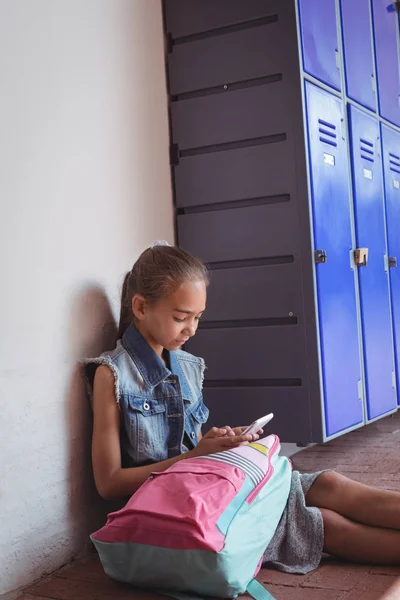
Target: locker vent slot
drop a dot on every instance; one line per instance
(268, 139)
(252, 262)
(327, 131)
(327, 124)
(366, 142)
(228, 87)
(367, 150)
(229, 204)
(251, 383)
(394, 161)
(239, 323)
(226, 29)
(326, 141)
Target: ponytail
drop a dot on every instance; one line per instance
(125, 315)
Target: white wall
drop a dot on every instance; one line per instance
(84, 187)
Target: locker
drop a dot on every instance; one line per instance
(186, 18)
(259, 239)
(255, 282)
(272, 193)
(320, 40)
(335, 278)
(231, 55)
(391, 158)
(360, 81)
(200, 123)
(208, 178)
(386, 32)
(374, 289)
(224, 345)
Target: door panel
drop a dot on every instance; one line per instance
(374, 288)
(241, 233)
(252, 354)
(357, 42)
(319, 40)
(190, 17)
(391, 161)
(385, 28)
(236, 58)
(335, 278)
(246, 114)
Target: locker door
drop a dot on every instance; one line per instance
(335, 278)
(391, 158)
(356, 25)
(385, 28)
(374, 289)
(319, 40)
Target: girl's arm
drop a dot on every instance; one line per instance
(113, 481)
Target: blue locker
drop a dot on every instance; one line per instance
(357, 43)
(391, 160)
(374, 288)
(385, 28)
(320, 40)
(335, 278)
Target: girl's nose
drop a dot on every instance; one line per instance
(190, 330)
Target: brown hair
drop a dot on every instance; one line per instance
(157, 273)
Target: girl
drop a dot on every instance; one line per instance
(148, 413)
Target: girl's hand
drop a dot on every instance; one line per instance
(218, 440)
(239, 430)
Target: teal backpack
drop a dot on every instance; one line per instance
(202, 526)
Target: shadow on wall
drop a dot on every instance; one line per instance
(92, 331)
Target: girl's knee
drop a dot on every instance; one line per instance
(326, 485)
(330, 480)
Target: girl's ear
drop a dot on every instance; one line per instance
(138, 306)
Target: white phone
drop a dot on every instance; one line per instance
(259, 424)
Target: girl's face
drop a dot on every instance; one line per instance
(170, 322)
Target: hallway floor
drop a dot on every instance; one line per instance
(370, 455)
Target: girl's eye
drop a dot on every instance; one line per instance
(179, 320)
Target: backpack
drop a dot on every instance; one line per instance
(202, 525)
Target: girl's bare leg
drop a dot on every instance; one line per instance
(356, 501)
(360, 543)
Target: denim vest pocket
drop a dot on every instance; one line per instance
(200, 412)
(146, 421)
(195, 417)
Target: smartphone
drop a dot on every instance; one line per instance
(259, 424)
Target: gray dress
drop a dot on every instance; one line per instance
(297, 544)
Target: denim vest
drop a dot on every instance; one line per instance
(162, 409)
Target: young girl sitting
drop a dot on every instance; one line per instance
(148, 413)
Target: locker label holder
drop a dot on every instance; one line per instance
(329, 159)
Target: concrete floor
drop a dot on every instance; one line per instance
(370, 455)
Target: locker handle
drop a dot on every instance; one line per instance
(320, 256)
(392, 261)
(393, 7)
(361, 257)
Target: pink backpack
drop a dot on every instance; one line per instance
(201, 526)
